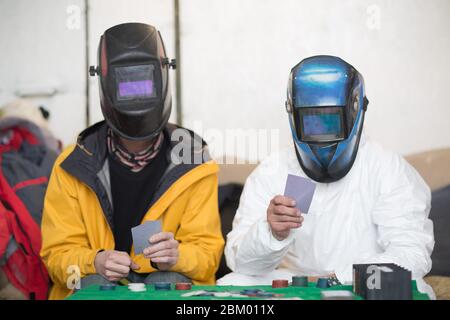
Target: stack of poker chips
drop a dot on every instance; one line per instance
(108, 287)
(322, 283)
(162, 286)
(183, 286)
(299, 281)
(280, 284)
(137, 287)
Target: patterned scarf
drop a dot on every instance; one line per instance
(134, 161)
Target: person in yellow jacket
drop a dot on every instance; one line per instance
(132, 168)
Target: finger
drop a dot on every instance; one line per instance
(162, 236)
(164, 260)
(120, 254)
(284, 218)
(166, 245)
(169, 244)
(116, 275)
(121, 259)
(115, 279)
(285, 201)
(134, 265)
(164, 253)
(121, 269)
(285, 226)
(293, 212)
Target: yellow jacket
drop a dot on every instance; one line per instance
(75, 223)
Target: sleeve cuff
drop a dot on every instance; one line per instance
(181, 264)
(345, 275)
(275, 244)
(90, 265)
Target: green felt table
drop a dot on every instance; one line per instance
(122, 293)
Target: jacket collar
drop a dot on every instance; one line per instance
(87, 162)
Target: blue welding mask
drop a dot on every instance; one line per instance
(326, 104)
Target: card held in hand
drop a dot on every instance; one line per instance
(142, 233)
(301, 190)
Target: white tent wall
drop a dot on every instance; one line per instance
(42, 50)
(236, 57)
(43, 47)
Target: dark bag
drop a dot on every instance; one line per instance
(25, 166)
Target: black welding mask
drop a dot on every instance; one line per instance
(133, 68)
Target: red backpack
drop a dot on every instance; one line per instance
(25, 165)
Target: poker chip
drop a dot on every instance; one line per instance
(265, 294)
(137, 287)
(250, 291)
(137, 290)
(108, 287)
(183, 286)
(162, 286)
(299, 281)
(322, 283)
(280, 283)
(193, 293)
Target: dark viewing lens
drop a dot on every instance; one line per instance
(143, 88)
(135, 82)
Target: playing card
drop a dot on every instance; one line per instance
(301, 190)
(142, 233)
(194, 293)
(337, 295)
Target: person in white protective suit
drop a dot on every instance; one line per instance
(369, 206)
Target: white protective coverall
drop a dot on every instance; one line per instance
(377, 213)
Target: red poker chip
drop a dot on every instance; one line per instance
(280, 283)
(183, 286)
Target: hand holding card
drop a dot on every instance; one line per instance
(282, 216)
(142, 233)
(163, 250)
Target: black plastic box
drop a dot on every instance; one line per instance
(382, 281)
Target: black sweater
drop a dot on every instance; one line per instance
(132, 193)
